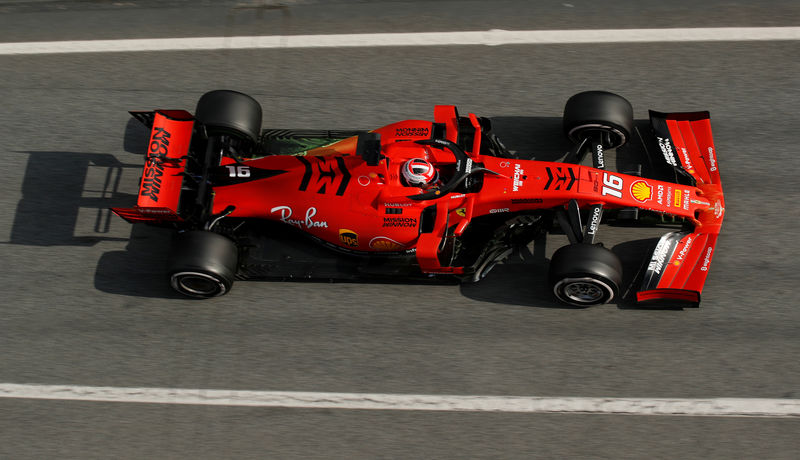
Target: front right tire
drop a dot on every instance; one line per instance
(583, 275)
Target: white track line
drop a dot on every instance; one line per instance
(712, 407)
(485, 37)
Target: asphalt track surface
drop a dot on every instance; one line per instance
(85, 302)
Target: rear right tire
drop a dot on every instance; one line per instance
(202, 264)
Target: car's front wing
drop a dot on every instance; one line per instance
(677, 269)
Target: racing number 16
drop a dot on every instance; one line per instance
(612, 185)
(238, 171)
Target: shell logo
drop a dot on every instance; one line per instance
(382, 243)
(641, 191)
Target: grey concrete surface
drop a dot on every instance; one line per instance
(85, 302)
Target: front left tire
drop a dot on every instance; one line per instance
(606, 116)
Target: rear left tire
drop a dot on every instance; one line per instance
(229, 112)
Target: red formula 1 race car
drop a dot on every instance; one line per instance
(422, 198)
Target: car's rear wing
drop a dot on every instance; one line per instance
(678, 267)
(163, 174)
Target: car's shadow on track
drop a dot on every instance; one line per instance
(522, 278)
(139, 270)
(66, 196)
(54, 192)
(532, 138)
(57, 186)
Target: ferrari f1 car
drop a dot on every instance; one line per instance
(230, 190)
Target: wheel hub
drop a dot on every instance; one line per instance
(583, 291)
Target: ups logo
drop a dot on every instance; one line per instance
(348, 237)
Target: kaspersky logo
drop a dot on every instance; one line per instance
(641, 191)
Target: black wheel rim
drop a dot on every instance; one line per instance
(583, 291)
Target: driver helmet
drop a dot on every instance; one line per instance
(419, 172)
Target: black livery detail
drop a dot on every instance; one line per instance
(326, 174)
(237, 174)
(560, 177)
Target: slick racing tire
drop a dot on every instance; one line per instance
(230, 112)
(585, 274)
(202, 264)
(599, 113)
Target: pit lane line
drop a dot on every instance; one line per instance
(708, 407)
(488, 37)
